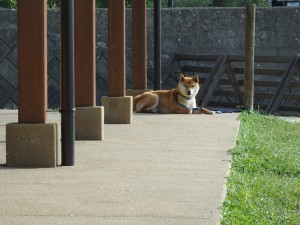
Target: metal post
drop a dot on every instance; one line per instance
(157, 45)
(67, 82)
(170, 3)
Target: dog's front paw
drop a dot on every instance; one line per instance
(203, 111)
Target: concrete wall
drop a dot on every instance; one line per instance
(186, 30)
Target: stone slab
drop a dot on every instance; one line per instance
(117, 110)
(89, 123)
(32, 145)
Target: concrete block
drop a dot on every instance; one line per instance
(117, 110)
(32, 145)
(89, 123)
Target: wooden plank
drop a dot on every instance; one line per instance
(197, 69)
(85, 52)
(116, 48)
(139, 45)
(271, 72)
(291, 97)
(293, 109)
(266, 59)
(273, 59)
(262, 95)
(223, 104)
(32, 61)
(261, 83)
(225, 93)
(196, 57)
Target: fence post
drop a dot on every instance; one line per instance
(249, 56)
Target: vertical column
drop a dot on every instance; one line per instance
(116, 48)
(249, 56)
(139, 45)
(89, 119)
(117, 106)
(139, 48)
(32, 61)
(32, 142)
(67, 83)
(85, 52)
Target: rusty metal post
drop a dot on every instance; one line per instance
(32, 61)
(139, 45)
(85, 52)
(116, 48)
(249, 56)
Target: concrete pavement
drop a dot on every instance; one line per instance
(161, 169)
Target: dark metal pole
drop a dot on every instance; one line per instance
(67, 83)
(170, 3)
(157, 45)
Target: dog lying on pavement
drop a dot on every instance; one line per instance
(180, 100)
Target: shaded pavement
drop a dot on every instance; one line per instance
(161, 169)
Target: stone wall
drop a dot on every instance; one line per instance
(184, 30)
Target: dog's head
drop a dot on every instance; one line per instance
(189, 86)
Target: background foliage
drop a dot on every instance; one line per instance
(11, 4)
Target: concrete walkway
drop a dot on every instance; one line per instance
(160, 170)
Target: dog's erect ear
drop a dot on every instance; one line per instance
(181, 78)
(196, 78)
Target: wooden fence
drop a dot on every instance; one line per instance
(277, 81)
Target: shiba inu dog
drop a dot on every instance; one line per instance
(180, 100)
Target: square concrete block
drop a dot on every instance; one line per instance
(32, 145)
(89, 123)
(117, 110)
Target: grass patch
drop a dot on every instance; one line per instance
(264, 182)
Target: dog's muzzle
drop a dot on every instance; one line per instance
(188, 92)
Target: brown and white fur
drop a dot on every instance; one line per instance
(179, 100)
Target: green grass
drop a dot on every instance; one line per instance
(264, 182)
